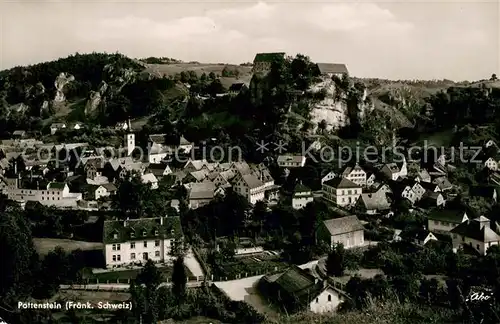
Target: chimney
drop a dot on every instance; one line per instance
(129, 125)
(161, 221)
(15, 167)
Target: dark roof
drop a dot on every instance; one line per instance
(236, 86)
(341, 183)
(301, 188)
(171, 228)
(295, 282)
(478, 229)
(343, 225)
(109, 187)
(428, 185)
(325, 68)
(56, 185)
(448, 215)
(418, 234)
(268, 57)
(483, 191)
(158, 138)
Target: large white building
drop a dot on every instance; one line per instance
(55, 194)
(341, 191)
(135, 241)
(476, 233)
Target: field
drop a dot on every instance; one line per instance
(45, 245)
(200, 68)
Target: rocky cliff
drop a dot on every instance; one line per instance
(333, 109)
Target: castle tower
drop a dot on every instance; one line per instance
(130, 140)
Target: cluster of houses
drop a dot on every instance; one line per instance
(374, 191)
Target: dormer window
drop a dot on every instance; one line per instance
(172, 232)
(143, 233)
(132, 234)
(115, 236)
(156, 233)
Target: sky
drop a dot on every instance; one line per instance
(399, 39)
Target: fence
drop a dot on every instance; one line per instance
(248, 274)
(96, 281)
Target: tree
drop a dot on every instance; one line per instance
(18, 255)
(149, 276)
(179, 279)
(493, 77)
(335, 262)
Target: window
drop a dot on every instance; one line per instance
(145, 244)
(132, 256)
(118, 257)
(454, 236)
(463, 238)
(477, 246)
(348, 192)
(132, 245)
(157, 253)
(118, 247)
(157, 243)
(144, 233)
(317, 300)
(114, 247)
(329, 298)
(114, 258)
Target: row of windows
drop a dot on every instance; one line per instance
(31, 192)
(118, 257)
(329, 299)
(357, 175)
(443, 223)
(351, 192)
(53, 198)
(116, 247)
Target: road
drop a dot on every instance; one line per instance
(192, 264)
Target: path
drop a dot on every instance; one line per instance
(120, 287)
(192, 264)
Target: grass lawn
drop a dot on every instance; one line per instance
(45, 245)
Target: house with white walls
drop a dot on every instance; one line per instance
(477, 233)
(341, 191)
(135, 241)
(355, 174)
(55, 194)
(302, 195)
(297, 290)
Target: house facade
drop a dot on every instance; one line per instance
(443, 221)
(341, 191)
(301, 197)
(138, 240)
(56, 194)
(355, 174)
(291, 161)
(476, 234)
(346, 230)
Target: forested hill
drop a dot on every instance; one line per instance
(95, 87)
(104, 89)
